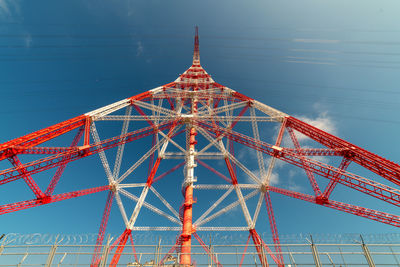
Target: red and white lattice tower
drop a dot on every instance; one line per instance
(197, 120)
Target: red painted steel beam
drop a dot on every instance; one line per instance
(116, 242)
(133, 247)
(316, 151)
(187, 229)
(168, 172)
(49, 199)
(52, 185)
(42, 150)
(274, 229)
(120, 248)
(234, 122)
(241, 96)
(200, 96)
(153, 172)
(377, 164)
(103, 225)
(232, 152)
(207, 250)
(237, 118)
(245, 249)
(310, 175)
(232, 173)
(205, 165)
(151, 161)
(140, 96)
(187, 223)
(176, 246)
(196, 52)
(332, 183)
(216, 102)
(12, 174)
(27, 177)
(41, 136)
(259, 244)
(369, 187)
(375, 215)
(171, 104)
(141, 112)
(87, 132)
(169, 85)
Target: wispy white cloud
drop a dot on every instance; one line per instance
(295, 187)
(316, 41)
(315, 51)
(292, 183)
(323, 122)
(4, 8)
(311, 58)
(309, 62)
(9, 8)
(274, 179)
(28, 40)
(139, 49)
(246, 153)
(278, 163)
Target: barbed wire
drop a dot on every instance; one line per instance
(15, 239)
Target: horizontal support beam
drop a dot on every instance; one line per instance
(377, 164)
(49, 199)
(359, 183)
(379, 216)
(33, 167)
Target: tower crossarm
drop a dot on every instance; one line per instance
(364, 185)
(377, 164)
(379, 216)
(13, 174)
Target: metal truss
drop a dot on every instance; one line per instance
(197, 121)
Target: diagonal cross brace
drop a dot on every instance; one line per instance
(26, 176)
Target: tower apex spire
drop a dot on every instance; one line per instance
(196, 52)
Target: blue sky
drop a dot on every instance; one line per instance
(332, 62)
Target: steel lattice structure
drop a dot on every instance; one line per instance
(195, 119)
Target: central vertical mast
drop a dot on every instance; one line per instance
(187, 227)
(196, 52)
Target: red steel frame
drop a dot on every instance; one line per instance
(196, 88)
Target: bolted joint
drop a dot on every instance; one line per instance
(189, 234)
(45, 199)
(84, 147)
(349, 153)
(194, 142)
(186, 236)
(188, 203)
(321, 200)
(264, 188)
(277, 151)
(83, 150)
(8, 152)
(113, 186)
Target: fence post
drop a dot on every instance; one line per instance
(315, 253)
(367, 254)
(52, 253)
(104, 257)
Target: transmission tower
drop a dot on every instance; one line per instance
(198, 123)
